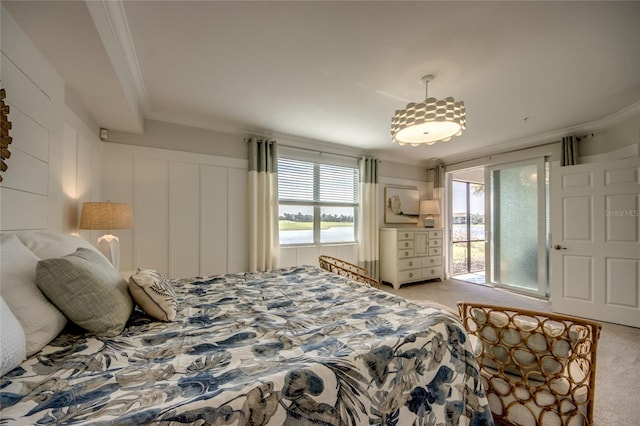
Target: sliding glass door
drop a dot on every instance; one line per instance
(517, 225)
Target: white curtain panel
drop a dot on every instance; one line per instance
(264, 244)
(369, 251)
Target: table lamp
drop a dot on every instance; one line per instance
(429, 208)
(107, 216)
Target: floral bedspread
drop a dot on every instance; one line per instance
(296, 346)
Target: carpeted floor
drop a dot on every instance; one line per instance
(618, 357)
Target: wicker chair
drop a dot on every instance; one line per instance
(537, 368)
(348, 270)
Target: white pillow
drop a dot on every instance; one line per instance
(39, 318)
(49, 245)
(154, 294)
(13, 349)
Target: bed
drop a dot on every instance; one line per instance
(293, 346)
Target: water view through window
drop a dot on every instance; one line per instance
(468, 236)
(296, 224)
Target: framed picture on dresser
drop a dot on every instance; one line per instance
(401, 204)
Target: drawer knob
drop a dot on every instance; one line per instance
(410, 263)
(406, 235)
(432, 260)
(433, 272)
(406, 253)
(406, 244)
(410, 274)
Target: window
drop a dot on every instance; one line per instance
(468, 231)
(318, 202)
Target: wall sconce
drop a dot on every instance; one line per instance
(107, 216)
(429, 208)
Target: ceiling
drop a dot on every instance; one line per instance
(528, 72)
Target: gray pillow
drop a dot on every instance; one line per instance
(88, 290)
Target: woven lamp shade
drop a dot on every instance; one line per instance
(106, 216)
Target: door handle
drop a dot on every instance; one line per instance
(559, 247)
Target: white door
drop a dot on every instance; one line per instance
(595, 255)
(516, 226)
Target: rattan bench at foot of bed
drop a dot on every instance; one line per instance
(348, 270)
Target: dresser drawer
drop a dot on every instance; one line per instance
(437, 242)
(403, 254)
(409, 263)
(409, 275)
(405, 235)
(434, 272)
(435, 234)
(435, 251)
(406, 244)
(430, 261)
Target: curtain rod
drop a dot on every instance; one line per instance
(500, 153)
(318, 152)
(579, 137)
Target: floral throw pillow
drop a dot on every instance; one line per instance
(154, 294)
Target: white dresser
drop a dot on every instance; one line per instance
(409, 255)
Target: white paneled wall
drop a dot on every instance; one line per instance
(31, 195)
(81, 173)
(185, 213)
(190, 209)
(308, 255)
(214, 186)
(151, 212)
(25, 184)
(237, 230)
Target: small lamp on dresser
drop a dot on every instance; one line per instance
(107, 216)
(429, 208)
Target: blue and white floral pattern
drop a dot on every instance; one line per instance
(296, 346)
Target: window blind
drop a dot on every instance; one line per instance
(317, 183)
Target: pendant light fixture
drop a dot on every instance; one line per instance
(428, 122)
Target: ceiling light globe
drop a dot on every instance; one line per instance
(427, 132)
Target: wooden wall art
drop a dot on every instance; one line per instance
(5, 139)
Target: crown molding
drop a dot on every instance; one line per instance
(610, 120)
(113, 28)
(549, 137)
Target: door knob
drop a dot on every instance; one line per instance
(559, 247)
